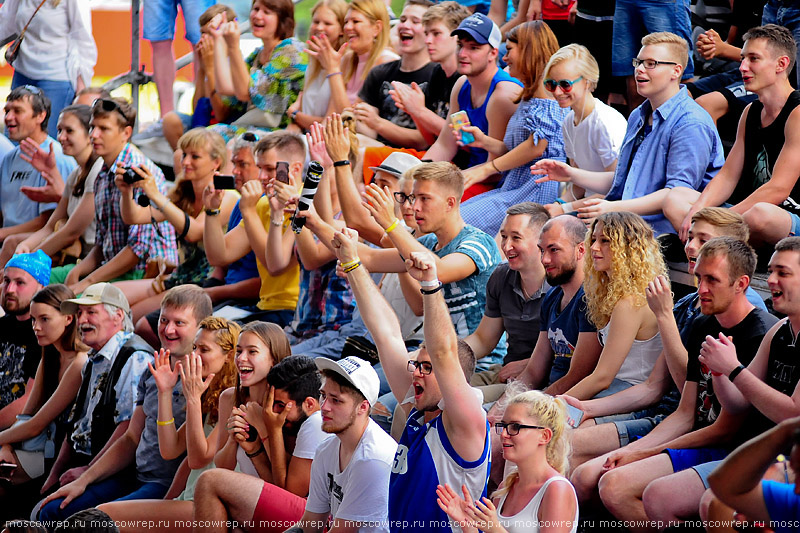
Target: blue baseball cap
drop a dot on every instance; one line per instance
(480, 29)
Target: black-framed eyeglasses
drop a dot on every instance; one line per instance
(512, 428)
(649, 64)
(424, 367)
(108, 106)
(250, 137)
(566, 85)
(401, 198)
(33, 89)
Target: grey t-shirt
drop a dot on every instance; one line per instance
(504, 299)
(150, 466)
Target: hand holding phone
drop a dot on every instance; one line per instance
(282, 171)
(460, 119)
(574, 416)
(224, 181)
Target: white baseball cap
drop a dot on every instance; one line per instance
(357, 371)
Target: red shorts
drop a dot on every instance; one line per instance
(277, 510)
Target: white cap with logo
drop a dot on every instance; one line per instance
(357, 371)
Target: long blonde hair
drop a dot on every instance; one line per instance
(339, 8)
(551, 413)
(374, 10)
(635, 261)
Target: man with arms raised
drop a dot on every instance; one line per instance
(439, 444)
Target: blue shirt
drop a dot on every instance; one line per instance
(783, 505)
(15, 172)
(563, 328)
(466, 298)
(244, 267)
(425, 458)
(682, 150)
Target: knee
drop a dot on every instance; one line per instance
(614, 489)
(584, 478)
(760, 217)
(705, 503)
(656, 498)
(205, 488)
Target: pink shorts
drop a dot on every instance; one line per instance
(277, 510)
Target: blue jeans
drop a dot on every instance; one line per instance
(159, 18)
(787, 15)
(60, 94)
(633, 19)
(119, 487)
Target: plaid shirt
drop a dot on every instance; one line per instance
(113, 235)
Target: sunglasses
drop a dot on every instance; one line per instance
(401, 198)
(108, 106)
(512, 428)
(649, 64)
(31, 89)
(249, 137)
(566, 85)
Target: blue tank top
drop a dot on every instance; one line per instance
(477, 116)
(426, 458)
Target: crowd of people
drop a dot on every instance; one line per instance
(470, 325)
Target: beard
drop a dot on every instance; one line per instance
(293, 428)
(12, 306)
(562, 277)
(336, 429)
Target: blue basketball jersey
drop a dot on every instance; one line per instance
(424, 459)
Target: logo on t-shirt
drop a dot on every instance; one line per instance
(335, 489)
(20, 175)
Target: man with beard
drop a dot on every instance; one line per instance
(108, 476)
(24, 275)
(290, 425)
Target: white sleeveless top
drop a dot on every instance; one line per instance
(527, 520)
(640, 359)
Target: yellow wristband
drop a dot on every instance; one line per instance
(349, 264)
(166, 422)
(394, 225)
(353, 267)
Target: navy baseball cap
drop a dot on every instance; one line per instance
(480, 29)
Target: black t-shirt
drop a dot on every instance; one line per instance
(19, 357)
(375, 91)
(438, 89)
(783, 374)
(747, 336)
(762, 146)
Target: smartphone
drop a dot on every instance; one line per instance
(574, 416)
(6, 469)
(224, 181)
(252, 434)
(460, 119)
(282, 171)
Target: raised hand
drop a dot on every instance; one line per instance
(31, 152)
(409, 98)
(316, 145)
(192, 377)
(329, 58)
(165, 376)
(454, 505)
(212, 198)
(484, 514)
(367, 115)
(337, 138)
(252, 191)
(422, 266)
(345, 245)
(274, 421)
(380, 204)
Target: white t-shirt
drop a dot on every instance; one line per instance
(594, 144)
(309, 437)
(88, 187)
(359, 493)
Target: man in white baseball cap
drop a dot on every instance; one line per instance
(350, 473)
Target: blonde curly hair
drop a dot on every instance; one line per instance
(551, 413)
(635, 261)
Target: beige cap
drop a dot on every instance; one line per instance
(99, 293)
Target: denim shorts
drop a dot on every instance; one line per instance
(786, 14)
(159, 18)
(795, 225)
(632, 426)
(633, 19)
(701, 460)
